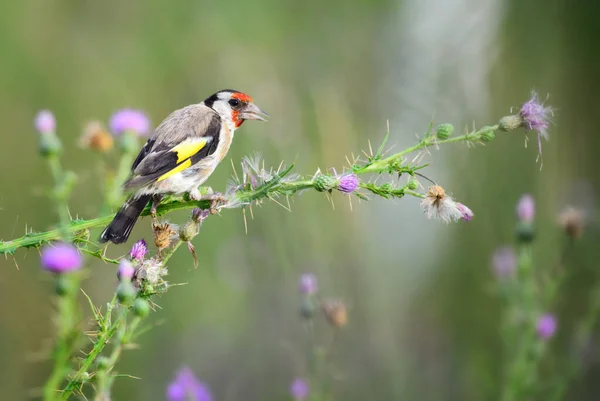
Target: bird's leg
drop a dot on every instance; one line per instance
(214, 198)
(195, 194)
(155, 202)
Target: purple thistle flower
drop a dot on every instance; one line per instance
(129, 120)
(61, 258)
(536, 117)
(546, 326)
(348, 183)
(199, 215)
(139, 250)
(467, 214)
(299, 389)
(308, 284)
(186, 387)
(45, 122)
(504, 262)
(526, 209)
(126, 270)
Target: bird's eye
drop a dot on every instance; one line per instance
(234, 102)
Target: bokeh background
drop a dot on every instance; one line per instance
(423, 323)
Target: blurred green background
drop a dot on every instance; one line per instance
(423, 323)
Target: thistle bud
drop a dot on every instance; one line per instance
(188, 231)
(325, 182)
(488, 135)
(129, 142)
(444, 131)
(412, 185)
(510, 123)
(307, 307)
(50, 144)
(141, 308)
(386, 188)
(125, 292)
(102, 363)
(525, 232)
(64, 285)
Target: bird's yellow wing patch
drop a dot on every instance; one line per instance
(176, 170)
(187, 149)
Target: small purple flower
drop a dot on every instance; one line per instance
(467, 214)
(61, 258)
(536, 117)
(129, 120)
(526, 209)
(186, 387)
(199, 215)
(348, 183)
(308, 284)
(45, 122)
(138, 250)
(546, 326)
(504, 262)
(126, 270)
(299, 389)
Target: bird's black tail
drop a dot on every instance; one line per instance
(119, 229)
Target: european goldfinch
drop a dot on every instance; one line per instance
(181, 154)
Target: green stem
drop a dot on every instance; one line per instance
(114, 197)
(383, 165)
(273, 187)
(67, 336)
(106, 333)
(60, 193)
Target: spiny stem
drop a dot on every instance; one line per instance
(383, 165)
(273, 187)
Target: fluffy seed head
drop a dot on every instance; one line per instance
(45, 122)
(61, 258)
(129, 120)
(439, 205)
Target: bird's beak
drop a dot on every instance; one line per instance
(253, 112)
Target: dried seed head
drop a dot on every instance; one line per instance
(335, 312)
(163, 235)
(96, 137)
(439, 205)
(572, 221)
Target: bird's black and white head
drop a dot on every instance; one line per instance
(234, 107)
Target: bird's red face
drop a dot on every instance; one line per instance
(235, 106)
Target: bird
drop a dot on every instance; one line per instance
(181, 154)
